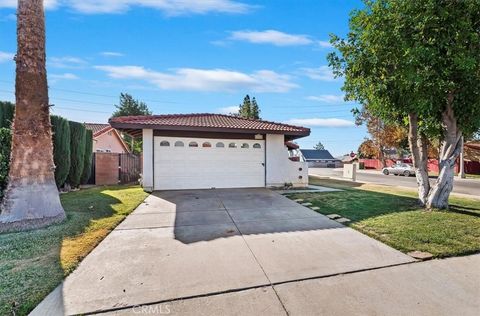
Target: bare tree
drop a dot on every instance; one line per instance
(31, 198)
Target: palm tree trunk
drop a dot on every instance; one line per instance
(31, 198)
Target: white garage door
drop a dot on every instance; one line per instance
(201, 163)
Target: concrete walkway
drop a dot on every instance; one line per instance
(216, 252)
(439, 287)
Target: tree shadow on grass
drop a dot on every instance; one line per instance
(33, 263)
(471, 211)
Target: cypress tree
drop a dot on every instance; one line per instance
(5, 143)
(61, 148)
(87, 164)
(254, 110)
(7, 110)
(77, 153)
(245, 108)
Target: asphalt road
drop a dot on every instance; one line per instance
(464, 186)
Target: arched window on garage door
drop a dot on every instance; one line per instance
(257, 145)
(206, 145)
(193, 144)
(164, 143)
(220, 145)
(245, 145)
(232, 145)
(179, 143)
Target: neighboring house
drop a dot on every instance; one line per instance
(320, 159)
(202, 151)
(106, 139)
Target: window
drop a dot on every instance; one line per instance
(207, 145)
(232, 145)
(257, 145)
(164, 143)
(193, 144)
(179, 143)
(220, 145)
(245, 145)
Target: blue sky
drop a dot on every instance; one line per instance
(194, 56)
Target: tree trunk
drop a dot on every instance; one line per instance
(449, 152)
(31, 198)
(381, 156)
(418, 147)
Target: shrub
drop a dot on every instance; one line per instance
(61, 148)
(87, 165)
(6, 114)
(5, 142)
(77, 153)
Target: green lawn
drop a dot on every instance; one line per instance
(394, 217)
(33, 263)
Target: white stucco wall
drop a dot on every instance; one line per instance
(147, 172)
(280, 169)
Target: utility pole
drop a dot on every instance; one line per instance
(461, 171)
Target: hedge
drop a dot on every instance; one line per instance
(6, 114)
(5, 142)
(87, 162)
(77, 153)
(61, 148)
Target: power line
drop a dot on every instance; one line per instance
(79, 110)
(98, 94)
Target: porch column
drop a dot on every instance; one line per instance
(147, 172)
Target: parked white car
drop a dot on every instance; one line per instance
(399, 169)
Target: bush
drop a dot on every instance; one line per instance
(61, 148)
(5, 142)
(77, 153)
(87, 165)
(7, 109)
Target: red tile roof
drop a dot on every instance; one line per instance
(205, 121)
(98, 128)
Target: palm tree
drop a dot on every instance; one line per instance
(31, 198)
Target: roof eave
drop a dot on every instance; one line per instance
(128, 127)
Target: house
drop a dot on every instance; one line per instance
(106, 139)
(200, 151)
(320, 159)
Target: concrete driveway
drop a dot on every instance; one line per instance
(181, 245)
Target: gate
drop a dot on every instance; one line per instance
(115, 168)
(129, 168)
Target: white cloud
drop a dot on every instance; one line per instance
(66, 62)
(228, 110)
(271, 37)
(169, 7)
(327, 98)
(204, 79)
(111, 54)
(65, 76)
(323, 73)
(48, 4)
(8, 17)
(4, 57)
(324, 44)
(321, 122)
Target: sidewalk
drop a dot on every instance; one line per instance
(438, 287)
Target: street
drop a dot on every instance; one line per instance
(463, 186)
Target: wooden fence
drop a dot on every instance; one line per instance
(115, 168)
